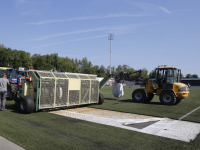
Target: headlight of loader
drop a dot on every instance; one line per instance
(185, 88)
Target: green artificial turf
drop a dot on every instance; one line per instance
(154, 108)
(43, 130)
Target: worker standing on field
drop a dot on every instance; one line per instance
(3, 91)
(19, 76)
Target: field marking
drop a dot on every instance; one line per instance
(163, 127)
(188, 113)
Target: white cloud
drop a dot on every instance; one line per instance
(72, 41)
(165, 10)
(88, 18)
(67, 33)
(107, 29)
(151, 7)
(106, 35)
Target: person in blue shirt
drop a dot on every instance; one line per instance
(19, 76)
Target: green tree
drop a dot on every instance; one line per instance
(1, 45)
(152, 74)
(65, 64)
(39, 62)
(76, 65)
(25, 59)
(5, 59)
(144, 73)
(86, 66)
(102, 71)
(182, 76)
(194, 76)
(188, 76)
(118, 70)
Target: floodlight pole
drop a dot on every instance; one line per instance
(110, 37)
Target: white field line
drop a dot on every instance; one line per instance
(188, 113)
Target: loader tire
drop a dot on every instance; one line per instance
(13, 90)
(150, 96)
(178, 101)
(101, 99)
(26, 105)
(167, 98)
(139, 96)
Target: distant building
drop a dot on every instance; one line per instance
(191, 81)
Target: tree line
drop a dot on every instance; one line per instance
(19, 58)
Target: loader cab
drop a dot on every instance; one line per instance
(166, 76)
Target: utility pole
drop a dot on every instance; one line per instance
(110, 37)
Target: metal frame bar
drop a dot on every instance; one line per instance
(37, 91)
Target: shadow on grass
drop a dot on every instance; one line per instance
(153, 103)
(131, 101)
(126, 100)
(12, 107)
(111, 99)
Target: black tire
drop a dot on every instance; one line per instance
(26, 105)
(13, 90)
(101, 99)
(178, 101)
(150, 96)
(139, 96)
(167, 98)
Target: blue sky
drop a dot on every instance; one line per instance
(146, 33)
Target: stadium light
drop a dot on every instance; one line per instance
(110, 37)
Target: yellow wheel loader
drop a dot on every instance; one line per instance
(166, 85)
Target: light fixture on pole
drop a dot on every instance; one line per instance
(110, 37)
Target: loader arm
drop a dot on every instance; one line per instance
(103, 82)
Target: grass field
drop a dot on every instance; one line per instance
(43, 130)
(154, 108)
